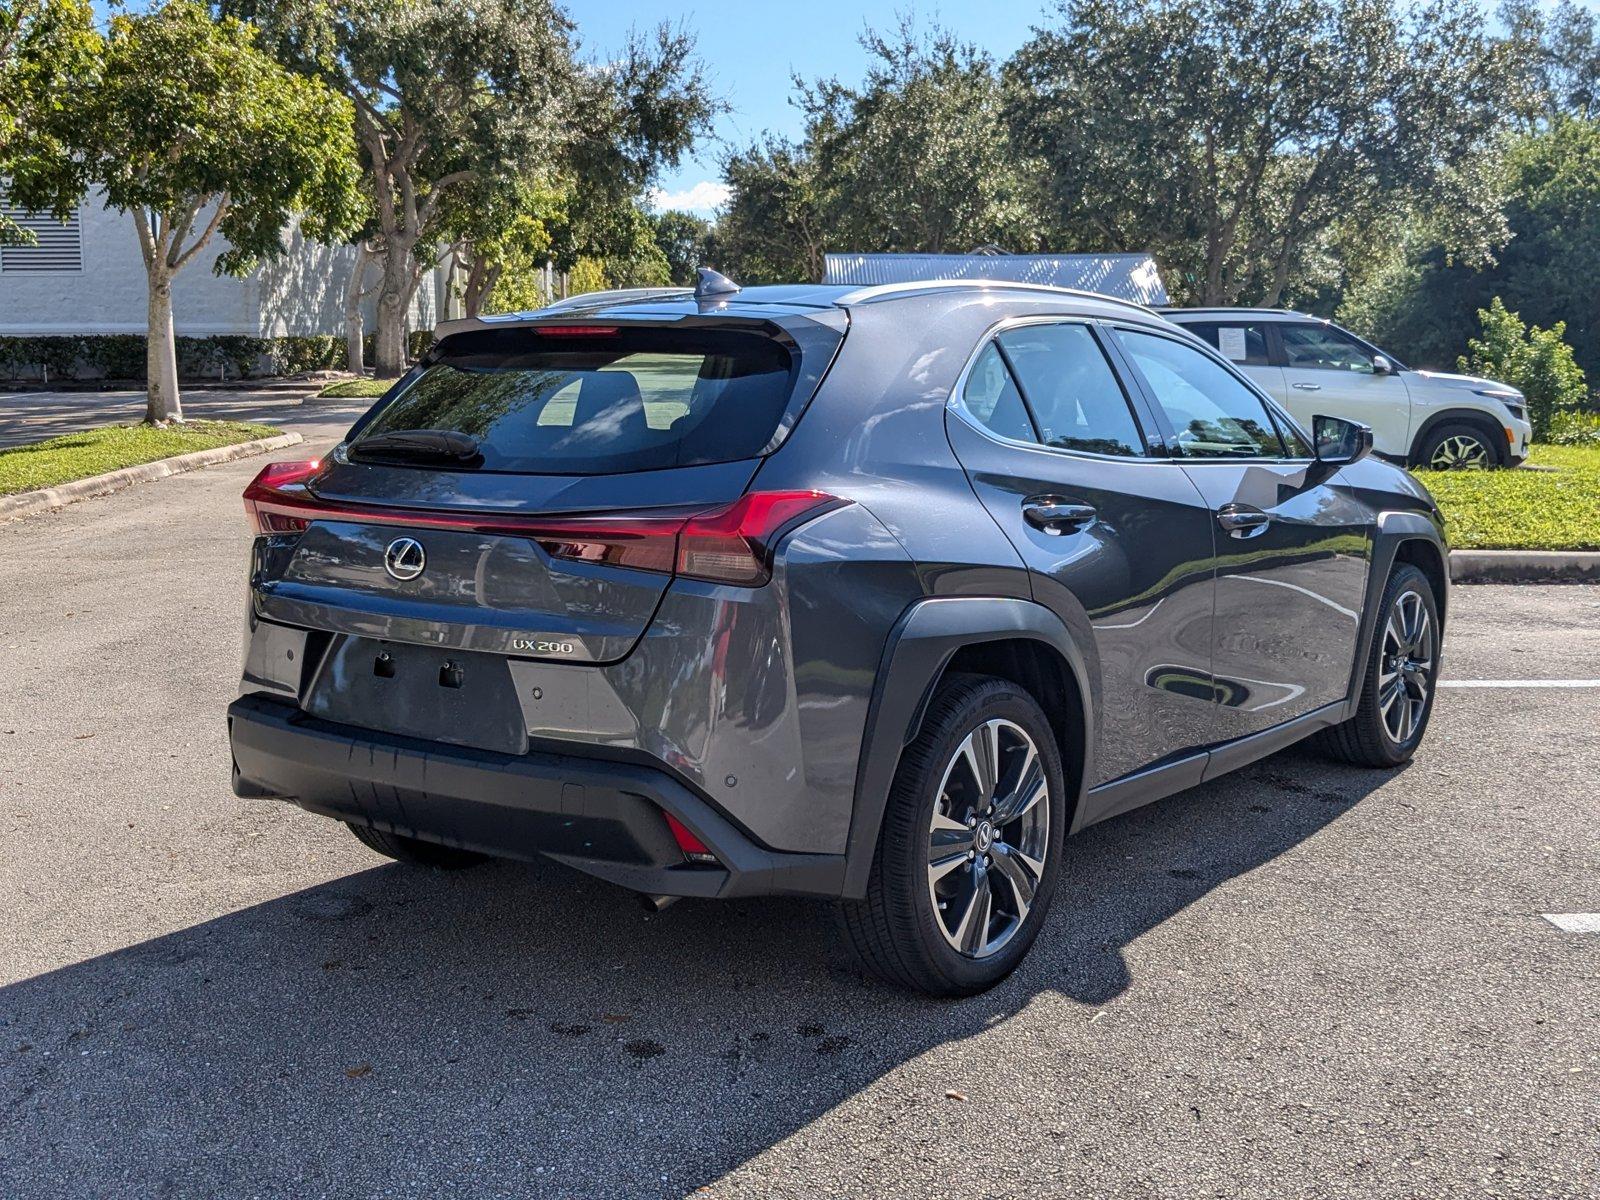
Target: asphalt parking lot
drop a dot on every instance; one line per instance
(1303, 980)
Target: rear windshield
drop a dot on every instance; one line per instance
(598, 402)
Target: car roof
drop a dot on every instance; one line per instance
(814, 300)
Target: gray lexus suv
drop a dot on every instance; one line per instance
(872, 594)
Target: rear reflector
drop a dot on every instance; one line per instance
(693, 848)
(730, 545)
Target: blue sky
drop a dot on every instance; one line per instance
(752, 48)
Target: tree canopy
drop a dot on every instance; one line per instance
(1228, 137)
(49, 52)
(191, 130)
(451, 97)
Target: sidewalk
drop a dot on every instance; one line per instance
(34, 416)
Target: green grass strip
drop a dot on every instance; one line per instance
(81, 455)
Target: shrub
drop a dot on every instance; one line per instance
(223, 356)
(1570, 427)
(1537, 362)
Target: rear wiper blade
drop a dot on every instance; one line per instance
(420, 445)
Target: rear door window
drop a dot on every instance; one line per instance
(991, 396)
(597, 400)
(1071, 390)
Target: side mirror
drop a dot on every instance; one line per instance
(1381, 365)
(1340, 441)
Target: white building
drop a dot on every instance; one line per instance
(87, 277)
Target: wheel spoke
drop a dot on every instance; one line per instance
(972, 936)
(981, 749)
(940, 867)
(1013, 868)
(1030, 790)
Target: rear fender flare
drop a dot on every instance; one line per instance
(920, 646)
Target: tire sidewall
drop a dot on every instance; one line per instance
(1406, 579)
(915, 796)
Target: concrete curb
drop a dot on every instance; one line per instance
(24, 503)
(1525, 566)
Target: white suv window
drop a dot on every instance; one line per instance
(1321, 347)
(1239, 342)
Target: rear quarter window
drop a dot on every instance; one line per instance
(618, 400)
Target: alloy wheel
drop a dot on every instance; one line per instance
(1405, 672)
(988, 838)
(1460, 452)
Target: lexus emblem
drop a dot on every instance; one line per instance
(404, 558)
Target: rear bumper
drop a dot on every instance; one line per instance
(600, 816)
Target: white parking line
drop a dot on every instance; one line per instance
(1520, 683)
(1575, 922)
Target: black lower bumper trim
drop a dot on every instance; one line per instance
(599, 816)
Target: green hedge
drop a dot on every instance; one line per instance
(121, 356)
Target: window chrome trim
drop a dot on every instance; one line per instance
(1154, 452)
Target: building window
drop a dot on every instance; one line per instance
(58, 246)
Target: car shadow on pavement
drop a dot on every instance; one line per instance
(520, 1030)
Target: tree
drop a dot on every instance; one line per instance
(1424, 302)
(685, 241)
(195, 133)
(1537, 362)
(48, 50)
(450, 96)
(501, 236)
(774, 228)
(1559, 56)
(918, 157)
(1228, 136)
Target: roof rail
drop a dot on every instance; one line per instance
(880, 291)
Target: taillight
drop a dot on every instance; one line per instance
(266, 489)
(731, 545)
(734, 544)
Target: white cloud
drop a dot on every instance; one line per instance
(703, 197)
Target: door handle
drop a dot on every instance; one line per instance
(1307, 387)
(1242, 521)
(1055, 516)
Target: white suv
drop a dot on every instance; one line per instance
(1314, 368)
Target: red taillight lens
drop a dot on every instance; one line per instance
(574, 330)
(726, 545)
(267, 488)
(645, 544)
(734, 544)
(693, 848)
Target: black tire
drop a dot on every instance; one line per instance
(896, 931)
(414, 851)
(1457, 435)
(1366, 740)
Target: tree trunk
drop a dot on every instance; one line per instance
(354, 332)
(394, 298)
(161, 354)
